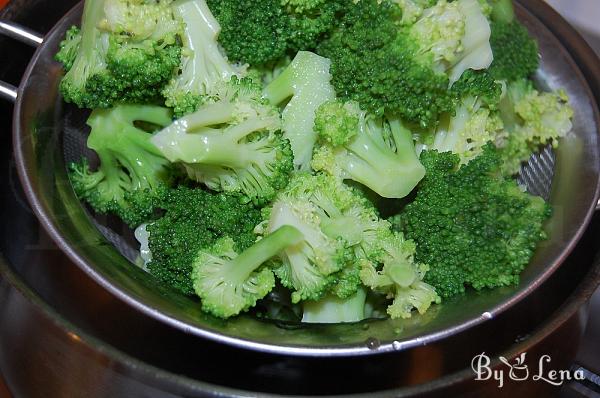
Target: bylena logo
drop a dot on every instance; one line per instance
(518, 370)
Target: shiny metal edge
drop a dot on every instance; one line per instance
(8, 91)
(21, 33)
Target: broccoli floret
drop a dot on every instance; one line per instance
(406, 71)
(377, 153)
(133, 176)
(195, 219)
(332, 309)
(311, 203)
(233, 144)
(306, 84)
(472, 226)
(516, 54)
(126, 51)
(259, 32)
(475, 122)
(203, 66)
(412, 10)
(229, 283)
(400, 278)
(69, 47)
(533, 120)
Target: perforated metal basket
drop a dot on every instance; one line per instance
(48, 135)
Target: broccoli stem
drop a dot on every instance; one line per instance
(503, 11)
(332, 309)
(269, 246)
(87, 58)
(206, 65)
(375, 165)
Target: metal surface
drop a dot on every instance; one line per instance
(40, 120)
(21, 33)
(8, 92)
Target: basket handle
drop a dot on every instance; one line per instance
(24, 35)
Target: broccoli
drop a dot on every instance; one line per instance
(306, 83)
(203, 66)
(516, 54)
(233, 144)
(377, 153)
(400, 278)
(126, 51)
(195, 219)
(532, 119)
(133, 176)
(412, 10)
(312, 204)
(260, 32)
(472, 226)
(332, 309)
(229, 283)
(475, 122)
(406, 70)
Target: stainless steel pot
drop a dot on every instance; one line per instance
(42, 125)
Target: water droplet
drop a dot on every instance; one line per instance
(487, 315)
(373, 343)
(396, 345)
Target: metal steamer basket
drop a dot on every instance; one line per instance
(47, 134)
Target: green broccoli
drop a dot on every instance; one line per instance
(229, 283)
(533, 120)
(133, 176)
(195, 219)
(260, 32)
(377, 153)
(332, 309)
(475, 122)
(233, 144)
(126, 51)
(516, 54)
(472, 226)
(406, 70)
(204, 67)
(306, 84)
(400, 278)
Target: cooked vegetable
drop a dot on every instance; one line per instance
(321, 161)
(133, 176)
(373, 151)
(233, 144)
(126, 51)
(472, 226)
(195, 219)
(229, 283)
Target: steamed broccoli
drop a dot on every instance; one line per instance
(377, 153)
(233, 144)
(332, 309)
(259, 32)
(516, 53)
(532, 119)
(195, 219)
(133, 176)
(203, 66)
(306, 84)
(472, 226)
(406, 70)
(475, 122)
(126, 51)
(229, 283)
(400, 278)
